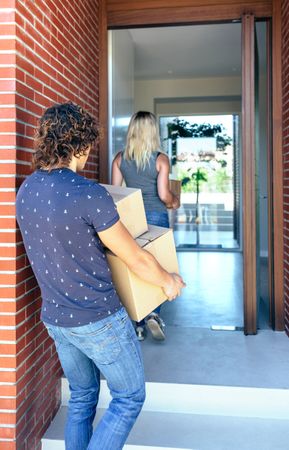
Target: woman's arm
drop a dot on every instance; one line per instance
(141, 262)
(116, 175)
(166, 196)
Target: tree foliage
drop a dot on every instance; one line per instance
(180, 128)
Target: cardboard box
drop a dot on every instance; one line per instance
(139, 297)
(175, 187)
(130, 208)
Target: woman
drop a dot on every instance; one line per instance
(142, 165)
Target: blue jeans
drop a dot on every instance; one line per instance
(108, 346)
(161, 219)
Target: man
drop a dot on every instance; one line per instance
(66, 221)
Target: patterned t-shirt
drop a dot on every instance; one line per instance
(59, 214)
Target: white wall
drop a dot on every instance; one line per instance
(146, 91)
(196, 107)
(121, 72)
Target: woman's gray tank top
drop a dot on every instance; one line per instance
(144, 179)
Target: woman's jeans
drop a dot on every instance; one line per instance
(161, 219)
(108, 346)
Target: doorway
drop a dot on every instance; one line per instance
(148, 71)
(205, 158)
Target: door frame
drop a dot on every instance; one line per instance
(249, 175)
(131, 14)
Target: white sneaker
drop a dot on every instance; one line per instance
(156, 326)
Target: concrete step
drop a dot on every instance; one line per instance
(197, 417)
(176, 431)
(203, 399)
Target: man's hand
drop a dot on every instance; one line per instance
(174, 287)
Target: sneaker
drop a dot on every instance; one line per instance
(141, 333)
(156, 326)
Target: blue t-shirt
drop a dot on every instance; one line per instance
(59, 214)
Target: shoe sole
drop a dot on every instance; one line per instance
(156, 330)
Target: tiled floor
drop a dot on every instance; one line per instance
(193, 353)
(214, 292)
(224, 358)
(222, 238)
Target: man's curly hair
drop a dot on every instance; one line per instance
(64, 130)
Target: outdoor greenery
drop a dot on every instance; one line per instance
(180, 128)
(217, 181)
(204, 167)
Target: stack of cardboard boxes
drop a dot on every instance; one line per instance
(139, 297)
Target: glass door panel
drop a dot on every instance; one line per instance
(205, 157)
(262, 130)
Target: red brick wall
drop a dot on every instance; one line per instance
(285, 88)
(49, 53)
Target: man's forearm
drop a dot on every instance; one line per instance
(146, 267)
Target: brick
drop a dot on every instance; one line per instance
(7, 377)
(8, 445)
(7, 44)
(7, 58)
(57, 59)
(7, 4)
(7, 433)
(7, 16)
(8, 418)
(8, 390)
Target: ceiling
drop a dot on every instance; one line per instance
(191, 51)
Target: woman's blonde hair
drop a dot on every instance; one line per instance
(142, 138)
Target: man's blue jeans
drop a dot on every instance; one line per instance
(108, 346)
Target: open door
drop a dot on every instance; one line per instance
(249, 195)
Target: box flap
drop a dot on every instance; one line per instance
(142, 242)
(153, 233)
(119, 191)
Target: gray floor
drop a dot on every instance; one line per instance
(193, 353)
(225, 358)
(187, 235)
(214, 292)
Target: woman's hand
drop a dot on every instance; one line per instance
(176, 203)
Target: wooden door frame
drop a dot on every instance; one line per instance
(249, 175)
(277, 173)
(136, 16)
